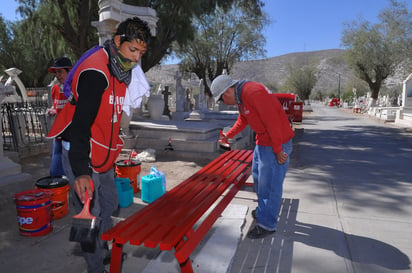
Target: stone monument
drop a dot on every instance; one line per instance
(201, 104)
(404, 115)
(112, 12)
(179, 114)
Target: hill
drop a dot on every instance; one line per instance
(273, 71)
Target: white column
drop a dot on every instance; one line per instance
(112, 12)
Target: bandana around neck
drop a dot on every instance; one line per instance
(118, 72)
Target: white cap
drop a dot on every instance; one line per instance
(220, 84)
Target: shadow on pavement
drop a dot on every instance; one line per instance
(275, 253)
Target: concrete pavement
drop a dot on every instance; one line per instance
(347, 207)
(347, 200)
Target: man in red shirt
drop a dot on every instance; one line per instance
(260, 109)
(61, 67)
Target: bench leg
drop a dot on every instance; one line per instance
(186, 266)
(116, 258)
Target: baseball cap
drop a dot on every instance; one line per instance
(60, 63)
(220, 84)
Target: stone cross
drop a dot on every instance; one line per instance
(166, 94)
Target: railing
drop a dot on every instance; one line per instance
(37, 95)
(24, 124)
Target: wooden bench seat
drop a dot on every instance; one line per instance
(169, 222)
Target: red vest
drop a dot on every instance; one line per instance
(59, 99)
(105, 143)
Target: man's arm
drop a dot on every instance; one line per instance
(91, 86)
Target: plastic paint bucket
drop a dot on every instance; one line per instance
(130, 169)
(124, 191)
(60, 188)
(151, 188)
(34, 214)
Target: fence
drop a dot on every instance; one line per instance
(24, 125)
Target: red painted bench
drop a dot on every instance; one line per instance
(169, 221)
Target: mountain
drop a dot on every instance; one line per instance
(273, 71)
(331, 64)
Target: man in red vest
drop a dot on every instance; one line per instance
(261, 110)
(61, 67)
(89, 125)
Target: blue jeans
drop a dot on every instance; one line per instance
(56, 165)
(104, 204)
(268, 176)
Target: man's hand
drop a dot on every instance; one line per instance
(81, 185)
(51, 111)
(223, 137)
(281, 157)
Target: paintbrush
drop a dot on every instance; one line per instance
(83, 228)
(224, 144)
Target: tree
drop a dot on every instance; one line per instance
(6, 45)
(301, 79)
(375, 51)
(175, 27)
(67, 20)
(24, 49)
(221, 39)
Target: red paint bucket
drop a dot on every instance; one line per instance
(34, 214)
(60, 188)
(130, 169)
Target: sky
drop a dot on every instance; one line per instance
(310, 25)
(296, 25)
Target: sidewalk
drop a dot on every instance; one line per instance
(347, 207)
(347, 200)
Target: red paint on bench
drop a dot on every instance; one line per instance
(169, 222)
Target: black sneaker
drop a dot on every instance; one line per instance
(258, 232)
(254, 214)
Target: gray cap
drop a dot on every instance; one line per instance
(220, 84)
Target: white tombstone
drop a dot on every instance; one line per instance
(404, 114)
(202, 98)
(180, 97)
(407, 95)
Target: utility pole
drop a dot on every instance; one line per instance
(339, 86)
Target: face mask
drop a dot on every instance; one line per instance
(124, 63)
